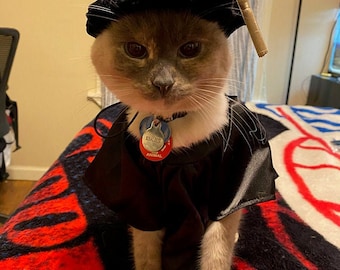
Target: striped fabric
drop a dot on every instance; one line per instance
(241, 79)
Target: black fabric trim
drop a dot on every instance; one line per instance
(102, 12)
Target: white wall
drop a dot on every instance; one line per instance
(317, 18)
(280, 44)
(50, 78)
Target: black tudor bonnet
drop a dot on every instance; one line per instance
(225, 12)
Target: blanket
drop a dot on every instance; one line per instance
(62, 225)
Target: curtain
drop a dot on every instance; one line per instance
(107, 98)
(241, 80)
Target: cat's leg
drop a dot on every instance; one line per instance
(147, 249)
(218, 243)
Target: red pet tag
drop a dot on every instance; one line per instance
(155, 143)
(158, 155)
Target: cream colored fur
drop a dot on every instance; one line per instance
(216, 249)
(194, 127)
(147, 249)
(218, 243)
(198, 88)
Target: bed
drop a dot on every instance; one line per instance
(62, 225)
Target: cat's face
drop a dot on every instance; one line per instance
(163, 62)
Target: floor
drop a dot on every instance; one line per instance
(12, 193)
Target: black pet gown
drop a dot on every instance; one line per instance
(186, 190)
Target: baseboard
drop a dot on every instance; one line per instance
(25, 172)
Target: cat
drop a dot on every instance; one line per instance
(186, 55)
(163, 63)
(172, 62)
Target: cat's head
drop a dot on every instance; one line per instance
(162, 62)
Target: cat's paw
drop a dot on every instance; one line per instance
(218, 243)
(147, 249)
(217, 249)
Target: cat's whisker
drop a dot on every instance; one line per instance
(241, 130)
(235, 81)
(229, 5)
(241, 126)
(202, 101)
(209, 93)
(203, 111)
(214, 82)
(230, 83)
(211, 86)
(257, 121)
(212, 79)
(233, 88)
(120, 90)
(206, 101)
(196, 103)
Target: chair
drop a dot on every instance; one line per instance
(9, 39)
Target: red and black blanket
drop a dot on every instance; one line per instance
(62, 225)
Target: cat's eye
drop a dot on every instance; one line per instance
(135, 50)
(190, 49)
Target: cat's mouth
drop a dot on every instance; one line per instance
(167, 104)
(168, 98)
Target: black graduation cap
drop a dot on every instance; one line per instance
(225, 12)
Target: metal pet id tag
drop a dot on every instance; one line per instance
(153, 137)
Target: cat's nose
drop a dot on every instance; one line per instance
(164, 88)
(164, 81)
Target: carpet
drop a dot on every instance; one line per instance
(61, 225)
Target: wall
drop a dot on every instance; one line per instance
(317, 20)
(280, 38)
(279, 24)
(50, 78)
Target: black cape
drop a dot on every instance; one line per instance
(186, 190)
